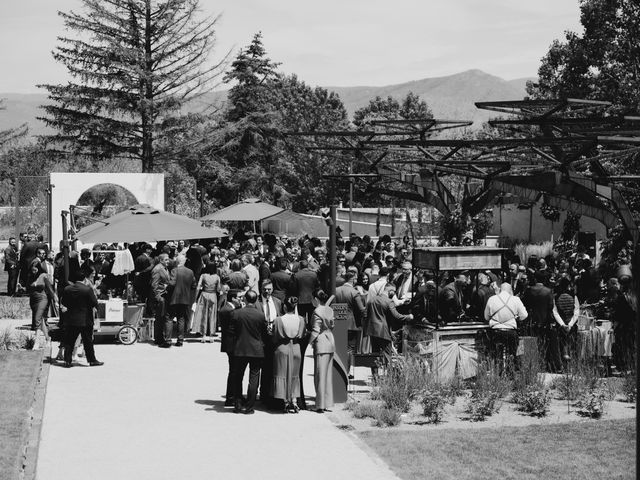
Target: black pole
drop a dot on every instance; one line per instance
(333, 267)
(65, 246)
(636, 286)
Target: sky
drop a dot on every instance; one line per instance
(329, 42)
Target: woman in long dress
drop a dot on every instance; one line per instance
(288, 330)
(205, 317)
(324, 347)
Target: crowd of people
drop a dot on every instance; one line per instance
(268, 297)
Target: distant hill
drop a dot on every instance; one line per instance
(450, 97)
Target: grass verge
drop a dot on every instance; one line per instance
(595, 449)
(18, 376)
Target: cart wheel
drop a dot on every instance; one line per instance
(127, 335)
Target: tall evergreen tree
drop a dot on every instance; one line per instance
(134, 64)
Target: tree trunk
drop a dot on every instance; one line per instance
(147, 103)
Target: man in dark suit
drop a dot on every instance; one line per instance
(79, 300)
(281, 279)
(272, 308)
(539, 302)
(11, 266)
(452, 300)
(228, 337)
(348, 294)
(194, 258)
(159, 283)
(27, 255)
(250, 327)
(143, 266)
(303, 283)
(183, 282)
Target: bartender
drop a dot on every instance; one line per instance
(452, 300)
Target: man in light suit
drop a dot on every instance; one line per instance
(78, 301)
(250, 327)
(272, 308)
(183, 282)
(381, 315)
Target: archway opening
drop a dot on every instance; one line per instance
(103, 200)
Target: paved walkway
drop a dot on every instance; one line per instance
(151, 413)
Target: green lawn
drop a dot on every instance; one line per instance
(18, 375)
(595, 449)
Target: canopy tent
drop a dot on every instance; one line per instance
(142, 223)
(248, 210)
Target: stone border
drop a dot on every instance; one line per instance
(32, 446)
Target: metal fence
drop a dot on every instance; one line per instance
(32, 205)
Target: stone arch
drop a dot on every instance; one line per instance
(67, 188)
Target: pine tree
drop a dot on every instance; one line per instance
(134, 64)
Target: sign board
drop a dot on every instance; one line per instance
(458, 258)
(114, 311)
(341, 312)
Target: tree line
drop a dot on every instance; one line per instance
(137, 67)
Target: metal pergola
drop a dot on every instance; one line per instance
(554, 149)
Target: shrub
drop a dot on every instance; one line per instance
(403, 381)
(386, 417)
(528, 377)
(580, 378)
(629, 388)
(483, 405)
(365, 410)
(453, 389)
(534, 402)
(9, 339)
(490, 379)
(14, 307)
(591, 403)
(433, 403)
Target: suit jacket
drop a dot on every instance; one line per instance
(10, 258)
(194, 259)
(227, 332)
(321, 335)
(250, 328)
(303, 283)
(281, 284)
(80, 301)
(450, 305)
(381, 313)
(237, 280)
(276, 302)
(183, 282)
(159, 281)
(538, 300)
(349, 295)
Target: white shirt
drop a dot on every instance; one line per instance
(254, 278)
(502, 310)
(271, 307)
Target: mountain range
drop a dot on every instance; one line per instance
(450, 97)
